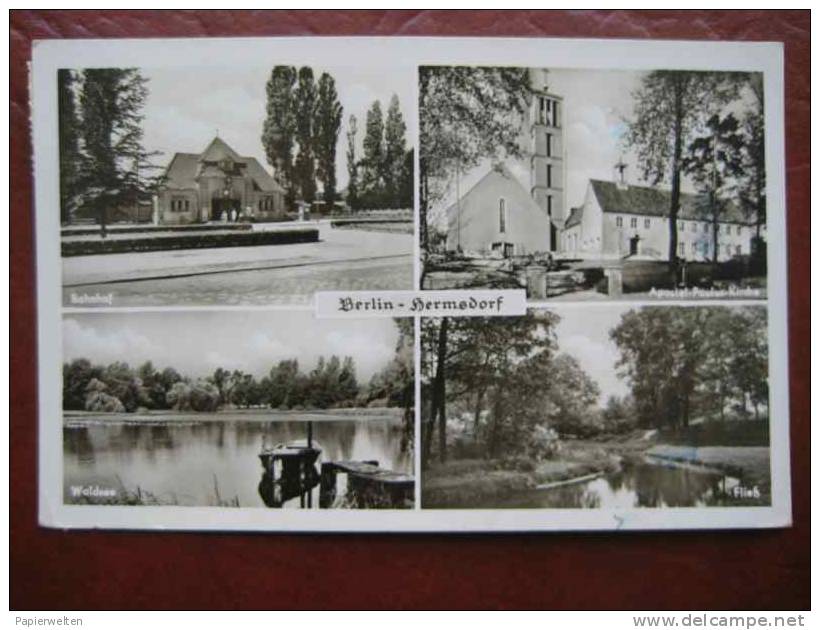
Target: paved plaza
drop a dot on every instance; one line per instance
(270, 274)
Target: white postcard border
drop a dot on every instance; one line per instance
(405, 54)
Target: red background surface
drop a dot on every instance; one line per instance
(114, 570)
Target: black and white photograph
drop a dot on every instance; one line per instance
(602, 408)
(237, 409)
(233, 185)
(582, 184)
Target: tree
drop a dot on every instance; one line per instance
(372, 165)
(394, 150)
(198, 396)
(714, 161)
(283, 385)
(98, 398)
(753, 180)
(466, 114)
(682, 363)
(69, 144)
(406, 183)
(352, 166)
(305, 112)
(113, 159)
(220, 380)
(279, 131)
(572, 393)
(76, 377)
(478, 360)
(126, 386)
(669, 105)
(327, 125)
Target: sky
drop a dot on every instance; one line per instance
(196, 343)
(186, 107)
(597, 104)
(585, 335)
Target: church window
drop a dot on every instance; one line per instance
(502, 216)
(646, 223)
(549, 145)
(694, 248)
(728, 229)
(542, 110)
(738, 230)
(694, 227)
(549, 175)
(549, 205)
(681, 226)
(633, 222)
(682, 248)
(619, 221)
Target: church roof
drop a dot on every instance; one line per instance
(648, 201)
(219, 150)
(498, 175)
(184, 168)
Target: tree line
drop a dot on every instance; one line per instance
(300, 137)
(499, 387)
(383, 177)
(332, 383)
(687, 363)
(103, 163)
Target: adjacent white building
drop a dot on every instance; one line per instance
(619, 220)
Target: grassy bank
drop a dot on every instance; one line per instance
(466, 481)
(474, 481)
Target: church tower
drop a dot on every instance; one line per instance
(547, 170)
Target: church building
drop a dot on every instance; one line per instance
(217, 185)
(499, 215)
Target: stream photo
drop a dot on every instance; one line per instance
(237, 409)
(610, 407)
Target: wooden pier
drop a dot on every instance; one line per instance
(290, 472)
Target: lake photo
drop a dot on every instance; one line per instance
(277, 410)
(186, 459)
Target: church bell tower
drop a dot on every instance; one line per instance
(547, 171)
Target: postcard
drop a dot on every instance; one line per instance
(411, 284)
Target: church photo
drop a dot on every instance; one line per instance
(592, 184)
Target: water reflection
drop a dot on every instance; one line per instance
(192, 462)
(641, 485)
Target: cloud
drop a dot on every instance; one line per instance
(196, 343)
(82, 340)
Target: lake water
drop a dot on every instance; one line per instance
(642, 485)
(186, 460)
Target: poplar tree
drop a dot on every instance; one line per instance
(326, 128)
(394, 150)
(373, 160)
(352, 166)
(279, 129)
(305, 96)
